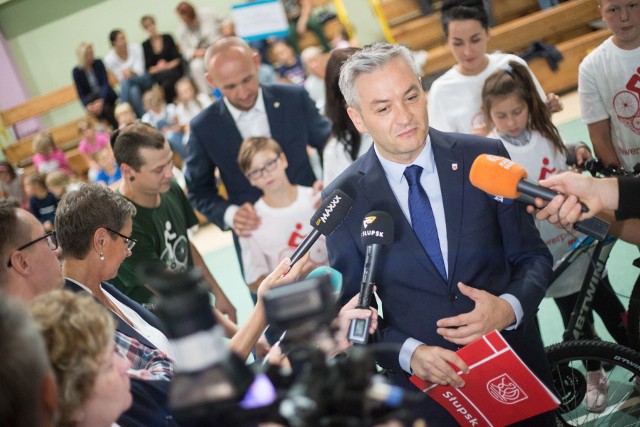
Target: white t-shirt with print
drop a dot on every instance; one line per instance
(281, 231)
(455, 100)
(609, 88)
(541, 160)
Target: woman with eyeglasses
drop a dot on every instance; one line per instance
(93, 228)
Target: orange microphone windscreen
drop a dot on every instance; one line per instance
(497, 175)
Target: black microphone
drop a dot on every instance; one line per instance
(376, 232)
(326, 219)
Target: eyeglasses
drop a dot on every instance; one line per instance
(50, 237)
(127, 240)
(270, 166)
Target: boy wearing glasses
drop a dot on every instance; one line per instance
(284, 210)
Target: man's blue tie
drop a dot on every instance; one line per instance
(422, 219)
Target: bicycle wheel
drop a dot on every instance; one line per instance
(567, 361)
(633, 317)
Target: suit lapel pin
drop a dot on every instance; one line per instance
(276, 104)
(454, 166)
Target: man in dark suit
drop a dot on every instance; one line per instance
(284, 112)
(482, 267)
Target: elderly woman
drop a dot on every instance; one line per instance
(92, 380)
(92, 84)
(93, 226)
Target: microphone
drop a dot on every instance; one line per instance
(335, 277)
(326, 219)
(376, 232)
(500, 176)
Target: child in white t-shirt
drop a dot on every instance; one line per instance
(189, 103)
(284, 211)
(522, 122)
(163, 117)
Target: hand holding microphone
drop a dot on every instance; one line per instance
(329, 215)
(376, 233)
(500, 176)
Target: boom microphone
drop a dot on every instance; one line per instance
(330, 214)
(500, 176)
(376, 232)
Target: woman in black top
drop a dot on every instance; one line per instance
(162, 59)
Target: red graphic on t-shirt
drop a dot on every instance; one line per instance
(626, 104)
(544, 171)
(296, 237)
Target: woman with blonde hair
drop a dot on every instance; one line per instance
(92, 84)
(92, 380)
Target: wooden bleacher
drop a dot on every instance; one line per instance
(518, 24)
(65, 135)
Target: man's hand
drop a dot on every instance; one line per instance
(346, 315)
(491, 312)
(433, 364)
(554, 104)
(245, 220)
(225, 307)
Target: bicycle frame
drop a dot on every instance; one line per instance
(582, 308)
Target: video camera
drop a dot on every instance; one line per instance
(213, 387)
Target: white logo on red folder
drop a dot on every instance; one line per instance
(505, 390)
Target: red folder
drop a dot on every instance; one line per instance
(499, 390)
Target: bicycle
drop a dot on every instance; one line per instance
(570, 358)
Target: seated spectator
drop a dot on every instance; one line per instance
(29, 393)
(300, 20)
(91, 375)
(126, 62)
(12, 183)
(92, 141)
(33, 269)
(109, 172)
(124, 114)
(29, 253)
(92, 84)
(161, 57)
(163, 117)
(289, 66)
(280, 208)
(59, 183)
(42, 203)
(189, 102)
(196, 32)
(48, 157)
(315, 66)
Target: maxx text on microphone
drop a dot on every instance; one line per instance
(329, 215)
(376, 233)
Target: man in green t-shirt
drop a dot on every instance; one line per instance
(163, 217)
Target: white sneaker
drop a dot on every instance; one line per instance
(597, 391)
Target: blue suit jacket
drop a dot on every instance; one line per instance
(84, 89)
(215, 142)
(150, 397)
(492, 246)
